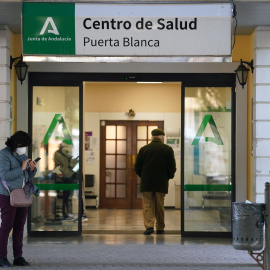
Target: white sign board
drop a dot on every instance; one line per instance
(153, 29)
(131, 30)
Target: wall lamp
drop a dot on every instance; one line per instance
(20, 67)
(242, 72)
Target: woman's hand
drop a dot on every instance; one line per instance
(32, 165)
(25, 163)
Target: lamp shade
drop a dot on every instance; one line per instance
(242, 74)
(21, 70)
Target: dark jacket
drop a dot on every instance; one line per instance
(155, 164)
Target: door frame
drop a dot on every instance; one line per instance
(187, 79)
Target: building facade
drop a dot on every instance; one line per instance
(92, 99)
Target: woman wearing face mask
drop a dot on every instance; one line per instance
(16, 169)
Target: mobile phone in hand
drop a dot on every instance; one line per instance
(37, 159)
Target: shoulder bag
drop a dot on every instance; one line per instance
(18, 197)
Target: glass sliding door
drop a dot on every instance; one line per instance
(55, 134)
(207, 159)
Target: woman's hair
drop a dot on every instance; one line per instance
(19, 138)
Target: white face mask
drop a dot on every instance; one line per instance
(21, 150)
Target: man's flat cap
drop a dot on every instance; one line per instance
(157, 132)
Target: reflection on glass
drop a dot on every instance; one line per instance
(207, 162)
(110, 132)
(121, 147)
(121, 191)
(121, 161)
(214, 216)
(121, 176)
(110, 147)
(110, 176)
(110, 161)
(110, 191)
(56, 140)
(121, 132)
(142, 132)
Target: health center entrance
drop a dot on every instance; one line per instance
(95, 124)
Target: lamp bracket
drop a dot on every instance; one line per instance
(12, 60)
(250, 64)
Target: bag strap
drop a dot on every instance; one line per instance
(5, 184)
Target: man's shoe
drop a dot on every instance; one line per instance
(160, 231)
(4, 262)
(20, 261)
(149, 231)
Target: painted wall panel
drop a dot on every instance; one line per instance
(4, 130)
(262, 38)
(261, 111)
(262, 57)
(258, 198)
(262, 93)
(262, 165)
(262, 129)
(4, 75)
(4, 85)
(262, 148)
(261, 75)
(4, 56)
(4, 36)
(4, 92)
(259, 184)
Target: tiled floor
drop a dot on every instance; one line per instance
(127, 220)
(130, 221)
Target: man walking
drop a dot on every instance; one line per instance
(155, 164)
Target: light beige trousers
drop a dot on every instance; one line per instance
(153, 209)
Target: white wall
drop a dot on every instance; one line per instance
(261, 112)
(5, 121)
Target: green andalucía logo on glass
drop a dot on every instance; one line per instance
(49, 28)
(216, 139)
